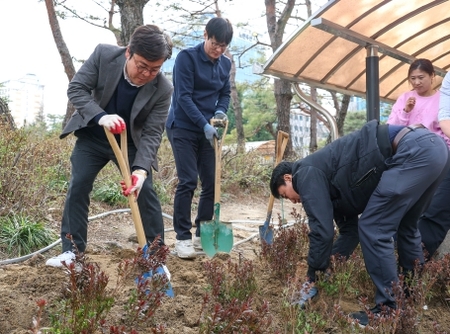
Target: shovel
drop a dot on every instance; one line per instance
(217, 236)
(121, 154)
(265, 231)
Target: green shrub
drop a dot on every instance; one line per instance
(107, 187)
(245, 172)
(229, 306)
(20, 236)
(310, 322)
(163, 193)
(109, 192)
(58, 178)
(289, 248)
(32, 171)
(88, 296)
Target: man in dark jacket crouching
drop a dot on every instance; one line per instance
(387, 174)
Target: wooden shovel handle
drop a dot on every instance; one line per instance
(282, 141)
(122, 160)
(218, 155)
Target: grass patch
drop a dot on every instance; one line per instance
(19, 235)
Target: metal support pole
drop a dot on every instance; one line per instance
(321, 110)
(372, 83)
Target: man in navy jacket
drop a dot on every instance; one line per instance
(201, 79)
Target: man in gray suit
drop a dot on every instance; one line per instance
(117, 88)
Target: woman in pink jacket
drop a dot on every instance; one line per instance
(421, 105)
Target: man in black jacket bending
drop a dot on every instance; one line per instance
(387, 174)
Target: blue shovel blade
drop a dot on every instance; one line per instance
(157, 271)
(266, 234)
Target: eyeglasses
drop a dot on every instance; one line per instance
(142, 69)
(216, 45)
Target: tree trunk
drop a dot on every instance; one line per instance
(236, 106)
(6, 118)
(63, 52)
(131, 16)
(283, 97)
(282, 88)
(111, 26)
(313, 123)
(342, 109)
(235, 100)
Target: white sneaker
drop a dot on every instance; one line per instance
(57, 261)
(185, 249)
(198, 243)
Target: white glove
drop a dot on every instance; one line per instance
(113, 123)
(137, 180)
(307, 292)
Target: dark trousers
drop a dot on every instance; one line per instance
(194, 159)
(434, 224)
(348, 237)
(403, 193)
(88, 157)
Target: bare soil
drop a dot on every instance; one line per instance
(111, 239)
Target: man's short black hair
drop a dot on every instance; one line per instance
(221, 29)
(277, 179)
(150, 42)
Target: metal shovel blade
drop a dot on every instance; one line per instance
(121, 154)
(216, 236)
(266, 232)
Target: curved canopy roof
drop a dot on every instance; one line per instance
(330, 49)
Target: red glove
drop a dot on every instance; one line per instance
(113, 123)
(124, 187)
(137, 180)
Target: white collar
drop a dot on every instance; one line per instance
(127, 78)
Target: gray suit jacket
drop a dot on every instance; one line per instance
(92, 87)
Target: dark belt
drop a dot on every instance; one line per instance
(402, 133)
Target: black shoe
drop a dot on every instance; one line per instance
(362, 318)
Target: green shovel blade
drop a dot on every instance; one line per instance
(216, 237)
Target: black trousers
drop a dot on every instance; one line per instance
(88, 157)
(403, 193)
(194, 160)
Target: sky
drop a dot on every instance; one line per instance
(28, 45)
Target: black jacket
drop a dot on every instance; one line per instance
(339, 180)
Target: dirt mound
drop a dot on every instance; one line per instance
(111, 240)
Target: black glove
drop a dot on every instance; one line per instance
(210, 133)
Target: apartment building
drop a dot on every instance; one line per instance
(25, 98)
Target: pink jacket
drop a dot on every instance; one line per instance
(425, 111)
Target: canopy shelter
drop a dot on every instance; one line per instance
(364, 47)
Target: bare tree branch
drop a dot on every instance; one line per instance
(249, 48)
(76, 15)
